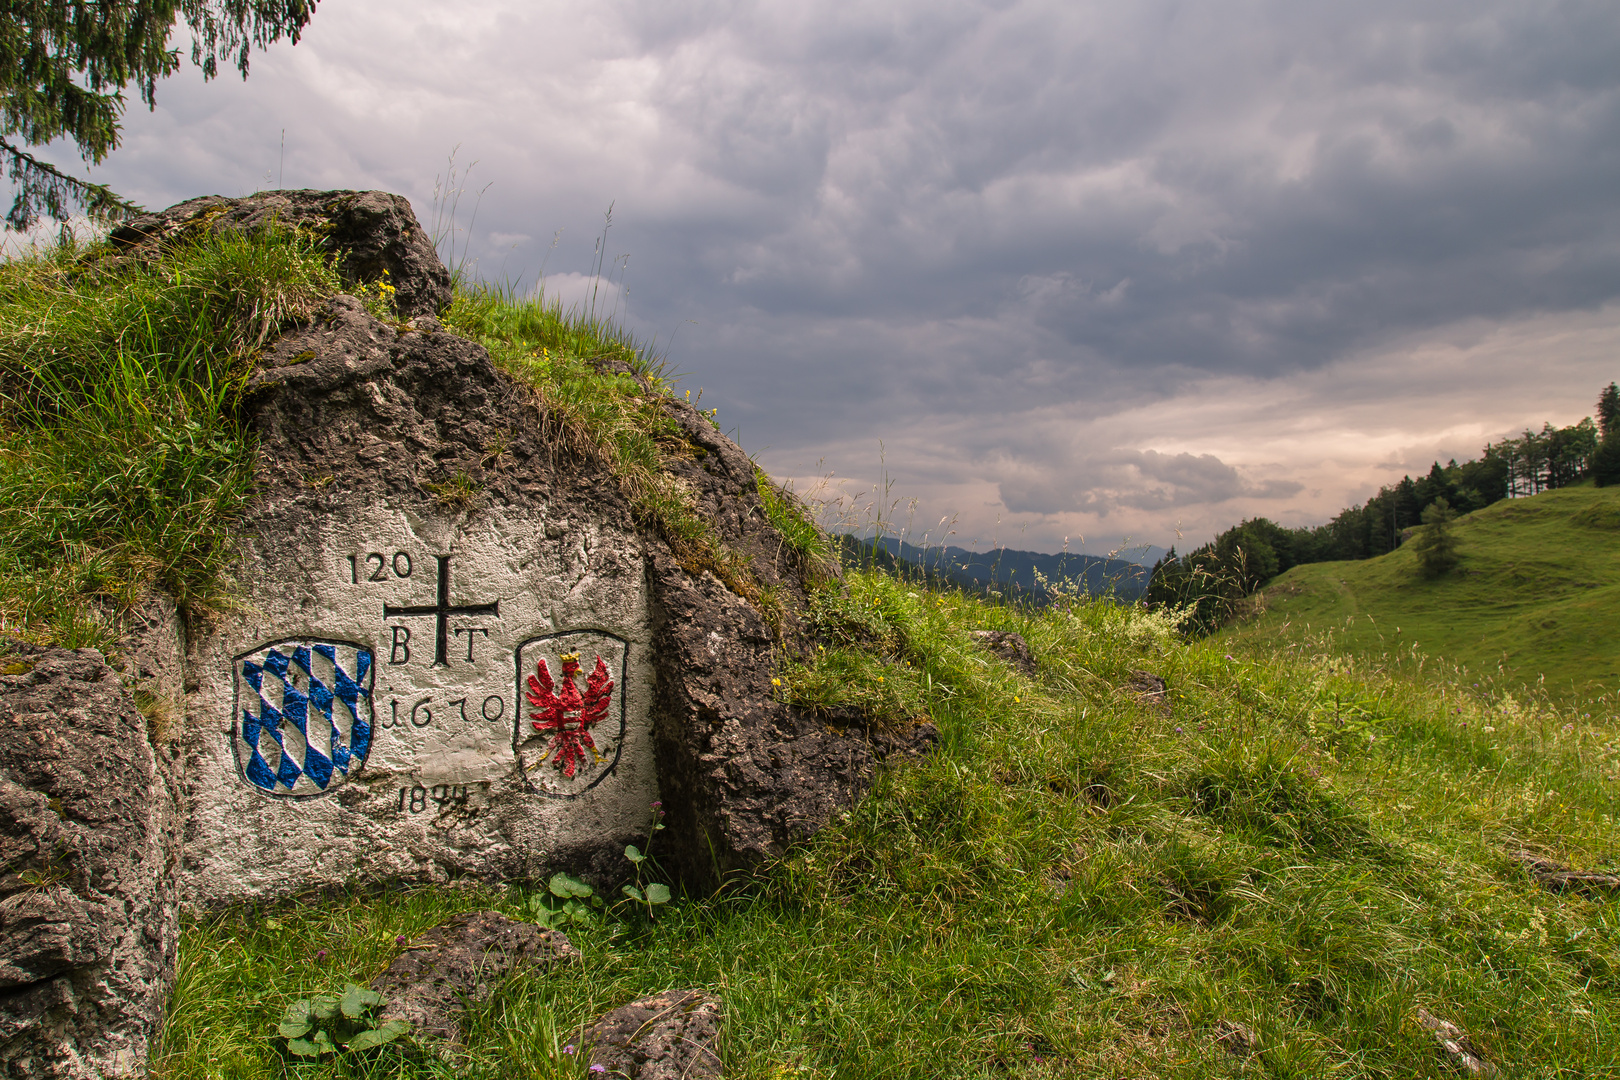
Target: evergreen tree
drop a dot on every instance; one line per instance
(64, 65)
(1435, 544)
(1606, 463)
(1608, 413)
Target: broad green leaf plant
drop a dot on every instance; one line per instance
(328, 1024)
(649, 893)
(566, 900)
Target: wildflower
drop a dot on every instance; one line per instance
(1016, 699)
(657, 804)
(880, 678)
(399, 939)
(598, 1068)
(570, 1048)
(1178, 730)
(1229, 656)
(776, 682)
(321, 955)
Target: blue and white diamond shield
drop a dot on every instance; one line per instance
(303, 720)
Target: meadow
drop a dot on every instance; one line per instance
(1532, 604)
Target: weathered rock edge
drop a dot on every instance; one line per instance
(89, 838)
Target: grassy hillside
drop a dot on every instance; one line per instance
(1535, 601)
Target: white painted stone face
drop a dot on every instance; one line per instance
(406, 695)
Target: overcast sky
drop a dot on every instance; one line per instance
(1058, 269)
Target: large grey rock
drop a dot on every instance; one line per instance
(438, 600)
(364, 713)
(88, 835)
(670, 1036)
(429, 984)
(373, 232)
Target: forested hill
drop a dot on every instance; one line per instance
(1243, 558)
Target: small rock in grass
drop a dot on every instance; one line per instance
(1009, 646)
(1455, 1042)
(669, 1036)
(1556, 878)
(1150, 690)
(460, 960)
(1236, 1038)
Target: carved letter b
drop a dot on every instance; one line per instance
(401, 653)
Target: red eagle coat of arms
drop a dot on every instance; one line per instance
(564, 715)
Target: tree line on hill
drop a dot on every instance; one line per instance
(1214, 578)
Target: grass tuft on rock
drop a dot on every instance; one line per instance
(602, 396)
(120, 463)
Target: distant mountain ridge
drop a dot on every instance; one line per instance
(1017, 574)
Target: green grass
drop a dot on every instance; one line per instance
(1533, 604)
(120, 464)
(791, 519)
(1078, 883)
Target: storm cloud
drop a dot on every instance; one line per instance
(1053, 268)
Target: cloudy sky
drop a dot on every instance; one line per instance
(1057, 270)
